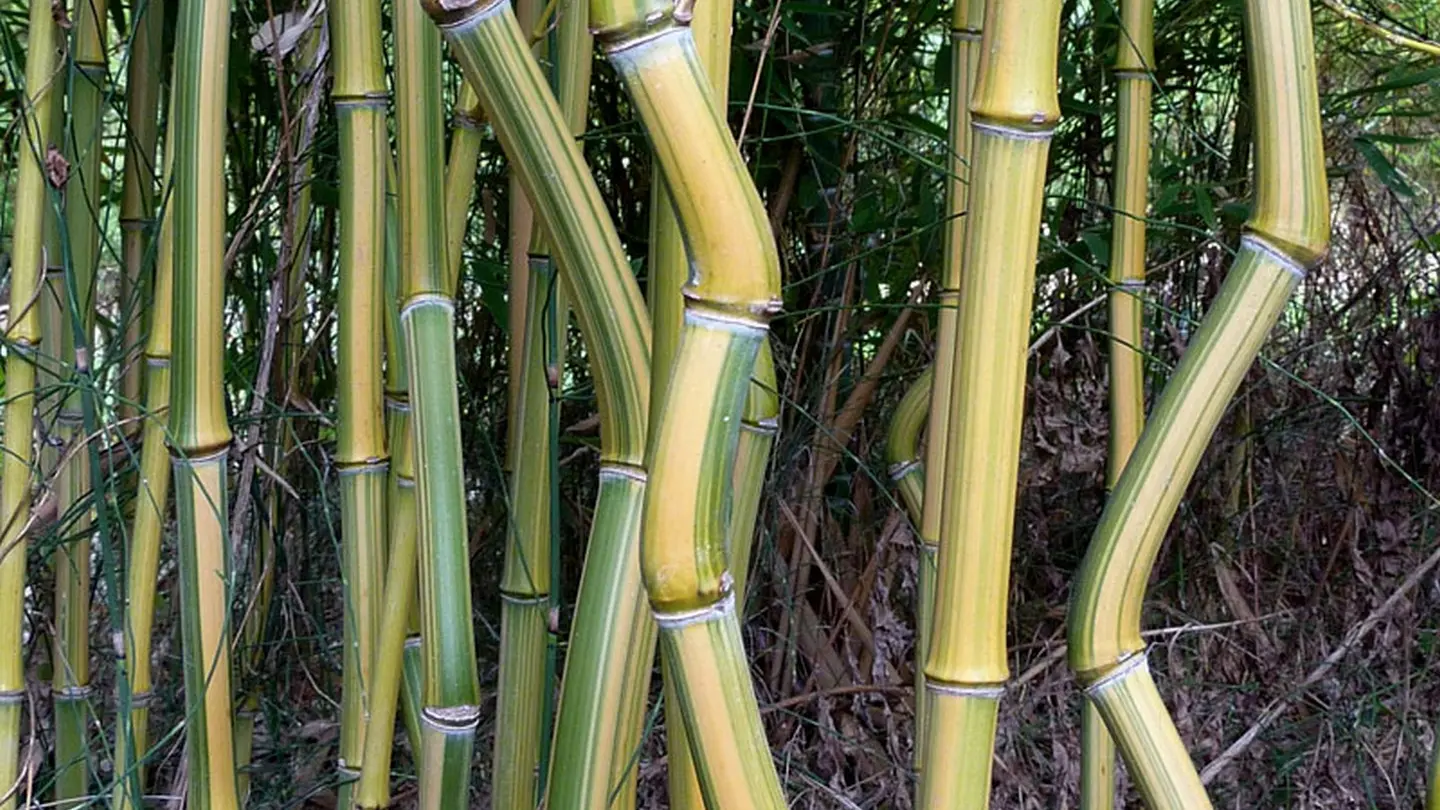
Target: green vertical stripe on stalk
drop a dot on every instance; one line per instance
(1288, 231)
(608, 638)
(1014, 109)
(759, 425)
(200, 506)
(397, 375)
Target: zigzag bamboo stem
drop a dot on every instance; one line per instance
(732, 292)
(198, 431)
(1013, 112)
(1288, 232)
(610, 631)
(669, 270)
(360, 454)
(152, 498)
(23, 336)
(1133, 61)
(451, 700)
(965, 25)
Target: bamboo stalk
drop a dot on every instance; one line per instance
(198, 430)
(1014, 109)
(525, 582)
(669, 270)
(1287, 233)
(465, 138)
(360, 100)
(387, 671)
(451, 710)
(23, 336)
(397, 646)
(137, 202)
(1133, 60)
(147, 531)
(732, 291)
(611, 632)
(965, 27)
(83, 194)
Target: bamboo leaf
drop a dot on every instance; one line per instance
(1382, 166)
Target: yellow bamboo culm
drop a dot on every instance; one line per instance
(1014, 110)
(669, 268)
(1287, 233)
(23, 335)
(733, 290)
(1133, 61)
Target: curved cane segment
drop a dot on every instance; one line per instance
(1288, 232)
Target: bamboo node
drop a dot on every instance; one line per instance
(517, 599)
(1014, 133)
(710, 613)
(973, 692)
(447, 719)
(1127, 666)
(626, 36)
(615, 469)
(426, 299)
(73, 692)
(456, 15)
(1258, 243)
(901, 469)
(370, 465)
(768, 426)
(723, 320)
(11, 697)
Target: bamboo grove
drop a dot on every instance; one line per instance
(123, 476)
